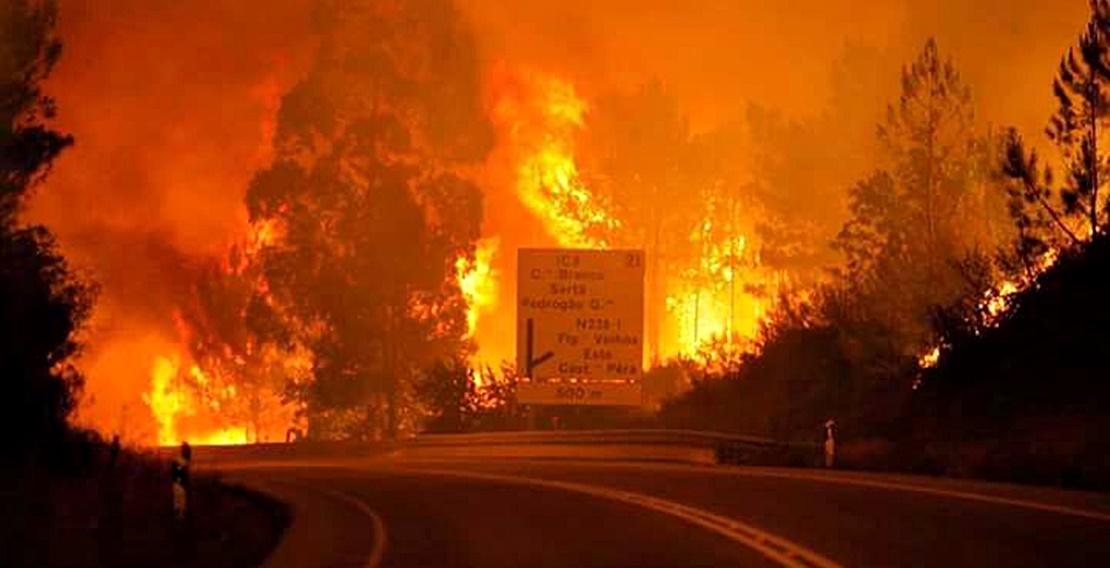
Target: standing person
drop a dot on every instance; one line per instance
(179, 474)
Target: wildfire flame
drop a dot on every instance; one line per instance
(540, 118)
(707, 296)
(478, 282)
(711, 299)
(170, 402)
(997, 301)
(203, 407)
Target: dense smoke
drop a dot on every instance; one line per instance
(718, 55)
(173, 106)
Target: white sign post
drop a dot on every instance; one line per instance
(580, 324)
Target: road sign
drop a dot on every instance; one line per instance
(580, 322)
(582, 393)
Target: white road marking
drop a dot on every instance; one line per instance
(845, 478)
(378, 525)
(776, 548)
(378, 545)
(839, 477)
(913, 488)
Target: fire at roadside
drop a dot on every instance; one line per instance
(539, 116)
(355, 278)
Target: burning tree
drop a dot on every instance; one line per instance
(678, 196)
(42, 304)
(643, 154)
(540, 116)
(913, 222)
(245, 358)
(370, 209)
(799, 168)
(1050, 216)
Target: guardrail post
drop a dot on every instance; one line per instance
(179, 476)
(830, 443)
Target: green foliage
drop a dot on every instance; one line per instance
(42, 304)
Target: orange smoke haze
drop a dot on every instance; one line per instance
(173, 106)
(718, 55)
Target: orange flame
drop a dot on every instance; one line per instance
(540, 122)
(707, 295)
(997, 301)
(170, 402)
(712, 299)
(478, 282)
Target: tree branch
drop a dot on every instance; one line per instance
(1032, 189)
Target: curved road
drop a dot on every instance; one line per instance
(395, 512)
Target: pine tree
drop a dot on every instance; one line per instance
(1050, 216)
(42, 304)
(908, 229)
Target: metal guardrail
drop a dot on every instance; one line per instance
(727, 448)
(646, 436)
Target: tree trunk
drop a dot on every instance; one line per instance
(391, 392)
(653, 299)
(391, 373)
(1093, 161)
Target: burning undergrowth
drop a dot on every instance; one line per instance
(291, 238)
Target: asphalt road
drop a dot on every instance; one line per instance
(394, 512)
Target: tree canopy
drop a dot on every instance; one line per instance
(369, 208)
(42, 304)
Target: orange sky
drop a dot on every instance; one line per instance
(172, 104)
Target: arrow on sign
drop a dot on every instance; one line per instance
(533, 362)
